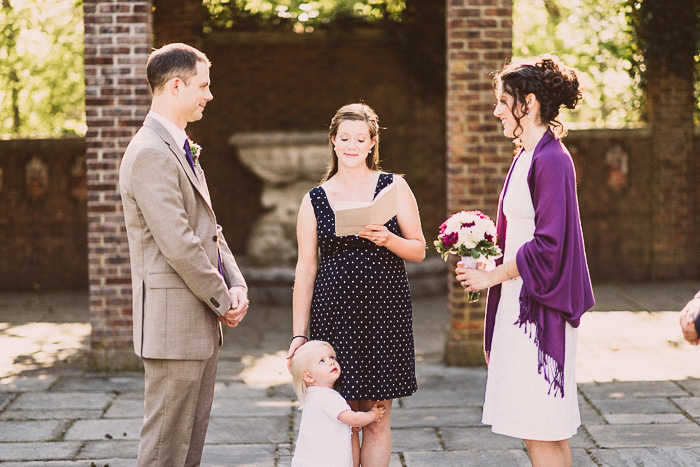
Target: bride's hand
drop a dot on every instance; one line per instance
(473, 280)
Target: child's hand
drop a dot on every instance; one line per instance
(378, 411)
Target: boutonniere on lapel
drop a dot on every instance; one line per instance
(196, 150)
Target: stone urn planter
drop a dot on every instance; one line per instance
(290, 164)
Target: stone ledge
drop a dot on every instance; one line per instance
(276, 138)
(114, 360)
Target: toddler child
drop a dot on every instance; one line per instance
(326, 420)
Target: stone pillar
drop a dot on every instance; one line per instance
(117, 44)
(479, 40)
(674, 183)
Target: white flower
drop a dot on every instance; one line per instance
(196, 150)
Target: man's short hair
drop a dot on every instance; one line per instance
(173, 60)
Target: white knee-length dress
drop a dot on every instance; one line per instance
(517, 402)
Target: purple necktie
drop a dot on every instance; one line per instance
(190, 160)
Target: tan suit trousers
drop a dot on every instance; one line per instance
(178, 399)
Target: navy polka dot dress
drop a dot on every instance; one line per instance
(362, 306)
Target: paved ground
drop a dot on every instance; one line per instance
(639, 390)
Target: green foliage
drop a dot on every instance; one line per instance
(42, 90)
(665, 35)
(301, 16)
(590, 35)
(664, 32)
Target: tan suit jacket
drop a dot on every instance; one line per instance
(174, 241)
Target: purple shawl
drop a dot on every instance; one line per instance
(556, 284)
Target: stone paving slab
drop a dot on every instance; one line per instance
(607, 299)
(60, 414)
(468, 396)
(95, 383)
(230, 368)
(251, 408)
(589, 416)
(248, 430)
(638, 436)
(38, 451)
(109, 449)
(5, 398)
(646, 418)
(437, 417)
(415, 439)
(117, 462)
(464, 439)
(439, 426)
(67, 400)
(652, 405)
(480, 458)
(436, 376)
(99, 430)
(631, 389)
(394, 461)
(691, 405)
(651, 299)
(237, 390)
(125, 407)
(581, 440)
(692, 385)
(648, 457)
(249, 455)
(27, 383)
(40, 430)
(581, 458)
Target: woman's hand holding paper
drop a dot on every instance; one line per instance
(377, 234)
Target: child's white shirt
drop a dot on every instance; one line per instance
(323, 440)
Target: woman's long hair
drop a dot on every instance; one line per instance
(356, 112)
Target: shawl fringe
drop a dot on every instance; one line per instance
(552, 370)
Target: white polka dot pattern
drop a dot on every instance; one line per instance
(362, 306)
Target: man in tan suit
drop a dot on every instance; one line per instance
(185, 279)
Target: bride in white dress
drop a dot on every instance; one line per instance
(541, 287)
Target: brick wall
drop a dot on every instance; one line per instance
(276, 81)
(177, 21)
(614, 176)
(478, 156)
(674, 185)
(43, 220)
(117, 44)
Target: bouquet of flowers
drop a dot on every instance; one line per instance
(471, 235)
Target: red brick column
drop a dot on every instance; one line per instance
(674, 183)
(479, 36)
(117, 44)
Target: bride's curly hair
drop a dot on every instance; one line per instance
(553, 84)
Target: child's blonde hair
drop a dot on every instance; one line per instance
(300, 364)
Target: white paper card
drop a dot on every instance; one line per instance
(352, 217)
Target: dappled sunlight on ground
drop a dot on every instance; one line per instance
(634, 346)
(33, 346)
(268, 370)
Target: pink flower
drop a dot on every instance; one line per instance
(449, 240)
(443, 227)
